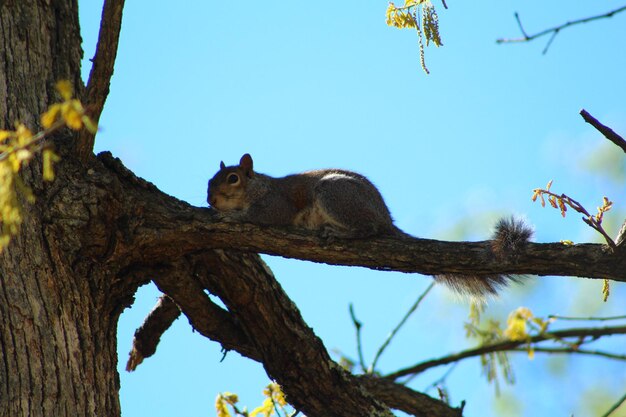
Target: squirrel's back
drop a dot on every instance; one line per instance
(334, 202)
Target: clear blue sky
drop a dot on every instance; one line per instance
(306, 85)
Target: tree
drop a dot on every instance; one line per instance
(98, 232)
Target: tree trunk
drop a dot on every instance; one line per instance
(57, 322)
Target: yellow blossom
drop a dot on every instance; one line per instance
(516, 324)
(266, 409)
(64, 87)
(50, 116)
(221, 406)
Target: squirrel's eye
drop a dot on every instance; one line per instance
(232, 179)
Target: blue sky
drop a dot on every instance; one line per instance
(328, 84)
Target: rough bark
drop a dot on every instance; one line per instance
(57, 325)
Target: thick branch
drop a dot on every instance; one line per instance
(209, 319)
(605, 130)
(220, 326)
(168, 229)
(200, 230)
(290, 351)
(508, 345)
(101, 71)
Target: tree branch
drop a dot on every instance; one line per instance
(400, 397)
(101, 71)
(405, 254)
(556, 29)
(508, 345)
(215, 323)
(395, 330)
(147, 336)
(570, 350)
(209, 319)
(167, 229)
(359, 345)
(607, 318)
(605, 130)
(288, 348)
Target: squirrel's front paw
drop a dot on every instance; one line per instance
(225, 217)
(330, 234)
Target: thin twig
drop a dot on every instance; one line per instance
(398, 327)
(101, 71)
(621, 235)
(556, 29)
(601, 353)
(587, 318)
(545, 49)
(605, 130)
(519, 23)
(441, 379)
(615, 406)
(589, 219)
(507, 345)
(359, 345)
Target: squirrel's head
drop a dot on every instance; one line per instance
(227, 188)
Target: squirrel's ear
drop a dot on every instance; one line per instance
(245, 163)
(222, 166)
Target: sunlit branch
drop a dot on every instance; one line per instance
(600, 353)
(508, 345)
(587, 318)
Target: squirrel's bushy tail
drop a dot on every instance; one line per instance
(509, 238)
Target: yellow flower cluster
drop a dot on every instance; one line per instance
(223, 401)
(274, 403)
(70, 111)
(275, 399)
(18, 147)
(400, 18)
(518, 323)
(407, 17)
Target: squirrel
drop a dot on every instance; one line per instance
(337, 203)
